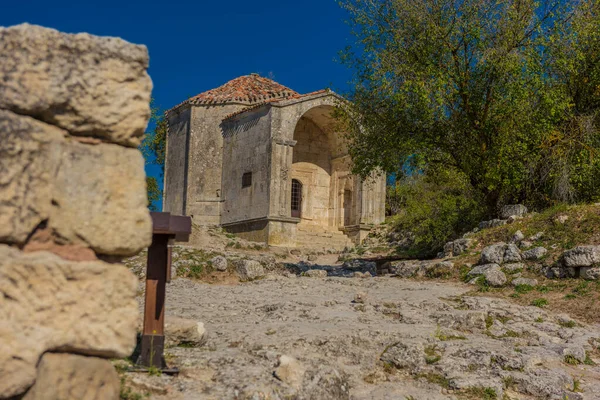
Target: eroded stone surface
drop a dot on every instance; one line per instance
(340, 343)
(47, 303)
(89, 85)
(582, 256)
(94, 195)
(73, 377)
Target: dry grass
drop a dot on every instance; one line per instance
(580, 299)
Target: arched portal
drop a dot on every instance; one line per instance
(316, 163)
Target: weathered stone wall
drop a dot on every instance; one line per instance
(72, 203)
(206, 162)
(176, 161)
(246, 149)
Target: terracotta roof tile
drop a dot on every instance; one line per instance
(296, 96)
(248, 89)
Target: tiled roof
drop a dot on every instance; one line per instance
(297, 96)
(248, 89)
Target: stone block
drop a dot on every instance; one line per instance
(88, 85)
(249, 270)
(184, 331)
(493, 254)
(50, 304)
(94, 195)
(582, 256)
(513, 210)
(73, 377)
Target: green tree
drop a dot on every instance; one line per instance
(153, 148)
(474, 86)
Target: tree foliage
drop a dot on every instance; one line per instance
(153, 148)
(504, 92)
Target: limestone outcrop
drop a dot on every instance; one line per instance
(72, 203)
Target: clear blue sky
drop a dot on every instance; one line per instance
(198, 45)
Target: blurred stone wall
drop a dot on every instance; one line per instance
(73, 109)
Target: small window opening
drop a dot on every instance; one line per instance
(247, 179)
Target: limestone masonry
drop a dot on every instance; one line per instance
(267, 164)
(72, 204)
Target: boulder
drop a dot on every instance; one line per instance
(405, 269)
(517, 237)
(460, 246)
(219, 263)
(184, 331)
(83, 307)
(513, 267)
(481, 269)
(536, 253)
(492, 223)
(88, 195)
(88, 85)
(448, 250)
(525, 244)
(290, 371)
(524, 281)
(249, 270)
(493, 254)
(512, 254)
(511, 210)
(495, 277)
(590, 273)
(316, 273)
(360, 297)
(582, 256)
(74, 377)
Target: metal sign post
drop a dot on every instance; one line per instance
(165, 228)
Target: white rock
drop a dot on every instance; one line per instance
(582, 256)
(495, 277)
(184, 331)
(316, 273)
(290, 371)
(219, 263)
(510, 210)
(249, 270)
(535, 253)
(493, 254)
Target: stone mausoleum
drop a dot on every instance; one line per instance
(267, 164)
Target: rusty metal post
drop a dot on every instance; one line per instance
(165, 228)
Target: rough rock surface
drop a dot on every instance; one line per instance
(535, 253)
(590, 273)
(582, 256)
(88, 85)
(512, 254)
(513, 210)
(316, 273)
(495, 277)
(524, 281)
(387, 348)
(92, 195)
(249, 270)
(184, 331)
(219, 263)
(47, 303)
(493, 254)
(290, 371)
(74, 377)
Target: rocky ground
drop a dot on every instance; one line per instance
(349, 335)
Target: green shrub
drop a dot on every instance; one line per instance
(435, 207)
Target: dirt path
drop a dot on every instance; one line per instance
(408, 340)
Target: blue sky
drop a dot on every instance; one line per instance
(198, 45)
